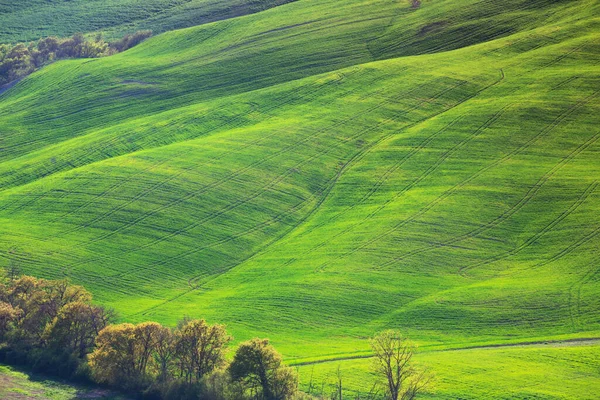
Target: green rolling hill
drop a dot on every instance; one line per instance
(32, 19)
(323, 170)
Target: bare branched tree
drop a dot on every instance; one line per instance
(393, 356)
(13, 272)
(339, 387)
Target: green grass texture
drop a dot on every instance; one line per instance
(29, 20)
(323, 170)
(16, 385)
(551, 371)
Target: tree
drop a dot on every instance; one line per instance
(165, 350)
(124, 353)
(16, 64)
(8, 314)
(48, 45)
(24, 295)
(113, 360)
(75, 328)
(146, 335)
(339, 387)
(14, 270)
(258, 366)
(199, 348)
(53, 295)
(40, 301)
(129, 41)
(23, 58)
(48, 323)
(393, 356)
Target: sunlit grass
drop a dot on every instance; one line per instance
(289, 175)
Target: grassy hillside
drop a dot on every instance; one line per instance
(323, 170)
(15, 385)
(32, 19)
(552, 371)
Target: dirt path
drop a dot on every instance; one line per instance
(540, 343)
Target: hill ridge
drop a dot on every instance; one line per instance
(320, 195)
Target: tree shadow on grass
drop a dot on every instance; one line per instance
(19, 383)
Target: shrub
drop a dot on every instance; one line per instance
(22, 59)
(258, 367)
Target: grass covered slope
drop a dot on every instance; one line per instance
(32, 19)
(477, 224)
(270, 173)
(199, 64)
(566, 370)
(15, 385)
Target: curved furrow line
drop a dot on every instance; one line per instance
(531, 240)
(140, 267)
(456, 187)
(120, 207)
(588, 277)
(234, 122)
(511, 44)
(396, 166)
(104, 257)
(231, 238)
(239, 172)
(328, 185)
(30, 200)
(125, 182)
(272, 183)
(374, 189)
(558, 59)
(383, 179)
(581, 241)
(567, 250)
(159, 269)
(120, 183)
(240, 202)
(16, 178)
(75, 165)
(142, 194)
(575, 298)
(247, 145)
(318, 204)
(107, 144)
(271, 220)
(489, 122)
(395, 47)
(356, 157)
(22, 258)
(531, 193)
(548, 64)
(420, 178)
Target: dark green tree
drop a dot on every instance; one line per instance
(258, 366)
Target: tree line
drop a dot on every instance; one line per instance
(52, 326)
(21, 59)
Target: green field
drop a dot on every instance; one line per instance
(16, 385)
(32, 19)
(569, 370)
(326, 169)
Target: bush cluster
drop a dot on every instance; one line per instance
(48, 325)
(52, 326)
(20, 60)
